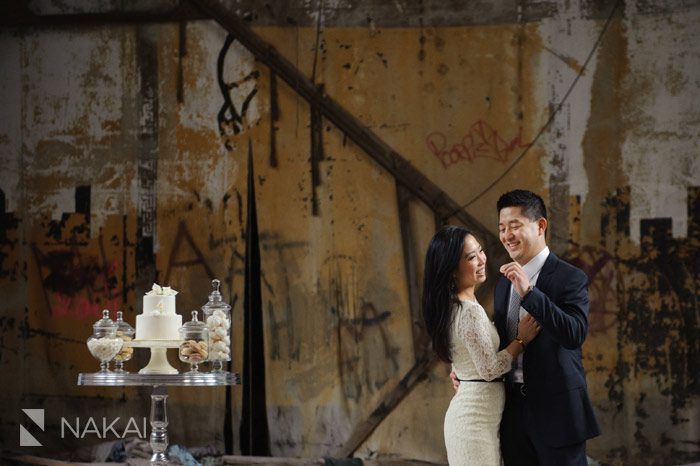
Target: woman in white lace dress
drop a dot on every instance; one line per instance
(463, 335)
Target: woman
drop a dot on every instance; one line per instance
(463, 335)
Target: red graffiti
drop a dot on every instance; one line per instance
(481, 141)
(78, 284)
(81, 307)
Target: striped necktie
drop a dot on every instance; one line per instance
(513, 315)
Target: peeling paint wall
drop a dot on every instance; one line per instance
(123, 162)
(660, 120)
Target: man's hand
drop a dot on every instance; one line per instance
(455, 381)
(517, 276)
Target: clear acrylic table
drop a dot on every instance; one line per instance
(159, 382)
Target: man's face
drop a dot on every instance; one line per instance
(522, 237)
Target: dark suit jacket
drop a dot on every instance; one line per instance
(558, 410)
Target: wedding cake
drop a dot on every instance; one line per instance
(158, 321)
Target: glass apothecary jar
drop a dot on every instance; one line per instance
(217, 316)
(126, 333)
(104, 344)
(194, 348)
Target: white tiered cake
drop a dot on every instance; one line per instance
(158, 321)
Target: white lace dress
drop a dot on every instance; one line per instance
(474, 415)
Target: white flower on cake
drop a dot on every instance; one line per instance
(159, 310)
(157, 290)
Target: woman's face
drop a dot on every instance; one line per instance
(472, 265)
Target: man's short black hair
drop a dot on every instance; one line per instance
(532, 205)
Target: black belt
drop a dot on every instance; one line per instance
(482, 380)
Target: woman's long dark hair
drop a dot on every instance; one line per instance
(439, 287)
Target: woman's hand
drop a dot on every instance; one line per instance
(455, 380)
(528, 328)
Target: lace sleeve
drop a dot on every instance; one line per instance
(474, 332)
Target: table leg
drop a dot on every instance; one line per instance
(159, 425)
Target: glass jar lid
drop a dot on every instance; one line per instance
(105, 323)
(215, 299)
(123, 326)
(194, 324)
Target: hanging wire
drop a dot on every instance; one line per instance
(551, 116)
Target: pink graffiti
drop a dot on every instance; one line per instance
(82, 308)
(76, 284)
(481, 141)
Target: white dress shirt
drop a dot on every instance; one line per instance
(532, 269)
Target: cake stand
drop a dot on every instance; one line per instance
(158, 363)
(159, 396)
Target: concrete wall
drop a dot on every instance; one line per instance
(116, 172)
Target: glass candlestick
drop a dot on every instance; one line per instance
(159, 426)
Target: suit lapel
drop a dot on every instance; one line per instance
(544, 283)
(547, 273)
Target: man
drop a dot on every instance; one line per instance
(547, 416)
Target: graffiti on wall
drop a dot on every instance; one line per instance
(601, 269)
(286, 330)
(480, 141)
(237, 95)
(174, 260)
(367, 356)
(74, 279)
(79, 276)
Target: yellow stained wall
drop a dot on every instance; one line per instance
(461, 103)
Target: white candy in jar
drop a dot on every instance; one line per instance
(219, 324)
(105, 349)
(219, 346)
(214, 321)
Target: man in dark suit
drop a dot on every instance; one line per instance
(548, 416)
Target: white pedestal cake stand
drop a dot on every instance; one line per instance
(158, 364)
